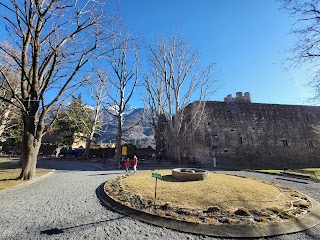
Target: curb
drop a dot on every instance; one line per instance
(236, 231)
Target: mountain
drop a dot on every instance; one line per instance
(141, 134)
(129, 108)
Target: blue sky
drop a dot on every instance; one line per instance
(247, 39)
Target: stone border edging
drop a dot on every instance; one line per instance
(237, 231)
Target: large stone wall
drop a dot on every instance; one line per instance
(244, 134)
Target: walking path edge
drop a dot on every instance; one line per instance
(26, 183)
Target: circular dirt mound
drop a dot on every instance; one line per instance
(218, 199)
(189, 174)
(222, 205)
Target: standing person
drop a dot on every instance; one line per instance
(214, 163)
(135, 163)
(127, 164)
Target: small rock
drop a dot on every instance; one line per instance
(213, 209)
(242, 212)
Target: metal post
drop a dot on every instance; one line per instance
(155, 193)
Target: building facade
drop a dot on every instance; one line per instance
(239, 133)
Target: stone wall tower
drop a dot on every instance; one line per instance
(239, 98)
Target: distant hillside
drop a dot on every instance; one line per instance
(142, 134)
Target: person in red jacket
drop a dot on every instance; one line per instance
(127, 164)
(135, 163)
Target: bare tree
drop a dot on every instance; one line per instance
(86, 120)
(307, 29)
(124, 63)
(56, 39)
(173, 82)
(98, 86)
(155, 100)
(8, 71)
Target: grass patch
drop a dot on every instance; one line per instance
(10, 171)
(219, 199)
(225, 191)
(297, 173)
(271, 171)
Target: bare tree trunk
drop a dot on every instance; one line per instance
(30, 149)
(177, 152)
(88, 144)
(176, 147)
(29, 158)
(176, 131)
(58, 150)
(158, 138)
(118, 141)
(87, 149)
(4, 119)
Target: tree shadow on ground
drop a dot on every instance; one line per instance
(291, 180)
(9, 179)
(104, 174)
(55, 231)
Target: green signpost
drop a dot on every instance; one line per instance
(156, 176)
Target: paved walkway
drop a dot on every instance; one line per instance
(64, 205)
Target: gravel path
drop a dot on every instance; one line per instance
(64, 205)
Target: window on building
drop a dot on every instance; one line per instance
(309, 117)
(275, 116)
(310, 143)
(285, 143)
